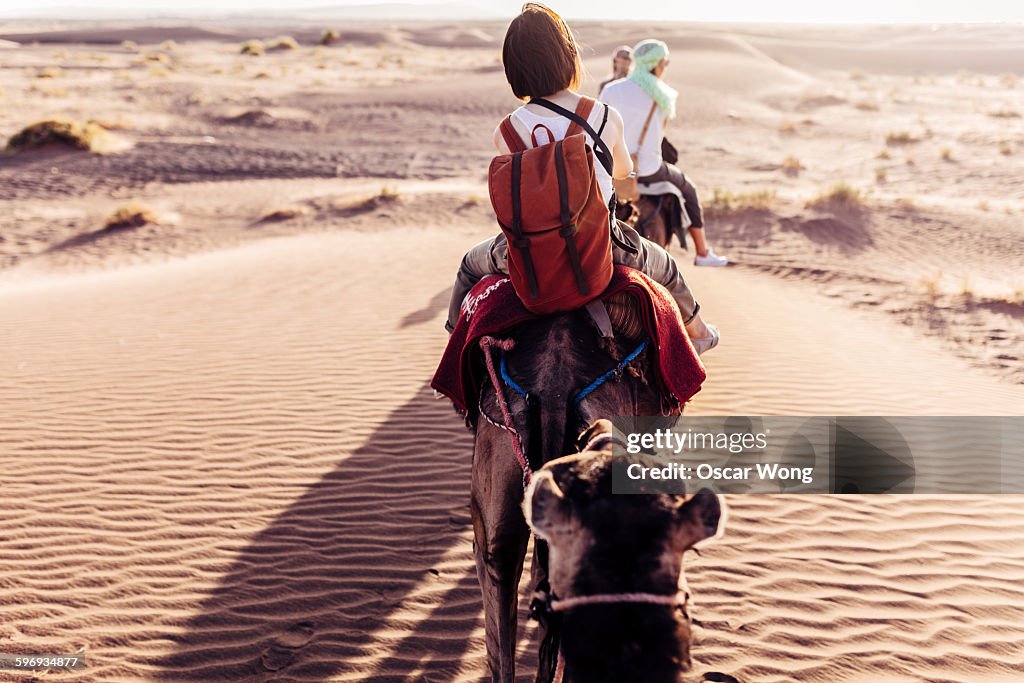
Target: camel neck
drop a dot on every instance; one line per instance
(624, 643)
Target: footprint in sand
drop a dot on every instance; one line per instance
(281, 651)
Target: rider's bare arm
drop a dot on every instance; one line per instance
(622, 164)
(499, 141)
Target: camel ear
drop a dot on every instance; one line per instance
(544, 505)
(700, 518)
(596, 428)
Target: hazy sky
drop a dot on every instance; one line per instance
(873, 11)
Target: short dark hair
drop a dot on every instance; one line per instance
(540, 54)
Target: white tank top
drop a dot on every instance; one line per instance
(559, 126)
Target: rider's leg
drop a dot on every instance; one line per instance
(691, 203)
(658, 264)
(489, 257)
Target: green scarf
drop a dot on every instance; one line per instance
(646, 56)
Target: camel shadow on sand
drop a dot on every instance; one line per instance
(325, 588)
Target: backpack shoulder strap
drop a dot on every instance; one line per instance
(511, 137)
(603, 154)
(583, 109)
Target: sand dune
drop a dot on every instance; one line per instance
(260, 484)
(221, 459)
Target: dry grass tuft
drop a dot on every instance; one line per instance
(932, 286)
(946, 154)
(282, 43)
(880, 175)
(884, 154)
(839, 196)
(857, 75)
(1009, 80)
(1005, 148)
(1004, 114)
(130, 45)
(63, 132)
(791, 166)
(867, 105)
(133, 215)
(330, 36)
(50, 72)
(253, 48)
(901, 137)
(724, 203)
(786, 126)
(284, 213)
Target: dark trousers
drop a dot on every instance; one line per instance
(671, 173)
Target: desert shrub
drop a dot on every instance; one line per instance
(1009, 80)
(880, 175)
(901, 137)
(329, 36)
(787, 126)
(282, 43)
(1004, 114)
(884, 154)
(284, 213)
(791, 165)
(1005, 148)
(866, 105)
(65, 132)
(50, 72)
(133, 215)
(253, 48)
(130, 45)
(725, 203)
(841, 195)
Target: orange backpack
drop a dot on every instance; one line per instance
(548, 204)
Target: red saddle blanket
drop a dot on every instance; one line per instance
(492, 308)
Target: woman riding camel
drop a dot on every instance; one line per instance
(542, 61)
(636, 98)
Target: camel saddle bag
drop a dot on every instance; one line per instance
(549, 206)
(627, 189)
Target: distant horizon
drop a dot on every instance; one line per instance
(725, 11)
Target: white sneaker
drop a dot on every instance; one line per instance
(711, 260)
(709, 342)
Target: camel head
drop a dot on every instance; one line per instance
(617, 545)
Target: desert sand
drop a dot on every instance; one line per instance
(221, 459)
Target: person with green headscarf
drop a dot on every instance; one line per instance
(646, 103)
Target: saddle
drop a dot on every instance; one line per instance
(636, 307)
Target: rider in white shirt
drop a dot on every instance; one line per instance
(633, 97)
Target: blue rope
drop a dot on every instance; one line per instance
(508, 378)
(511, 383)
(603, 378)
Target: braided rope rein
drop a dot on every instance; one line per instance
(488, 343)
